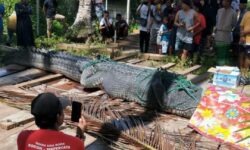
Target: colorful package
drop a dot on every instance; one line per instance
(219, 117)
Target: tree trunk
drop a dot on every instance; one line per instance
(82, 27)
(84, 13)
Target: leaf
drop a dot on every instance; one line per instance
(247, 128)
(246, 114)
(247, 121)
(243, 139)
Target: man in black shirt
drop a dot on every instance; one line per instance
(121, 27)
(49, 8)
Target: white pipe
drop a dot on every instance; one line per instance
(106, 5)
(37, 17)
(128, 11)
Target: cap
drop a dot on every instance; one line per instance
(243, 1)
(46, 104)
(187, 2)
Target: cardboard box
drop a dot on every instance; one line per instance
(226, 76)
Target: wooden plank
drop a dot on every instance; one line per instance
(40, 80)
(135, 61)
(11, 69)
(22, 76)
(149, 56)
(8, 138)
(145, 67)
(6, 110)
(168, 65)
(15, 120)
(189, 70)
(131, 51)
(125, 57)
(205, 143)
(195, 79)
(66, 46)
(13, 92)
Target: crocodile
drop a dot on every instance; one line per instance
(152, 88)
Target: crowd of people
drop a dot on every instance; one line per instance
(183, 27)
(186, 27)
(20, 22)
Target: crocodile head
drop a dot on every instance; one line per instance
(173, 93)
(92, 75)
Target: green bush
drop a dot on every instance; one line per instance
(9, 6)
(133, 26)
(58, 28)
(248, 5)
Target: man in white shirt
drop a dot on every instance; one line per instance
(144, 11)
(225, 22)
(106, 26)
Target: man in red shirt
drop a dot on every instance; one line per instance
(198, 32)
(48, 112)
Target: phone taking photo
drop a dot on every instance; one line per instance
(76, 111)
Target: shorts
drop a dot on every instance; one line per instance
(180, 45)
(50, 20)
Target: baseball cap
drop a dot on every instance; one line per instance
(46, 104)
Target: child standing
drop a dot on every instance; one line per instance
(164, 34)
(197, 47)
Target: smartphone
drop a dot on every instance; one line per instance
(76, 111)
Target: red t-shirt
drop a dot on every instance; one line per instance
(47, 140)
(197, 38)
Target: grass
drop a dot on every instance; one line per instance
(43, 42)
(86, 52)
(248, 5)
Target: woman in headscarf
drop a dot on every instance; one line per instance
(24, 24)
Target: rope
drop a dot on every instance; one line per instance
(183, 84)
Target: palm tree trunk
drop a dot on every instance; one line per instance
(84, 12)
(82, 27)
